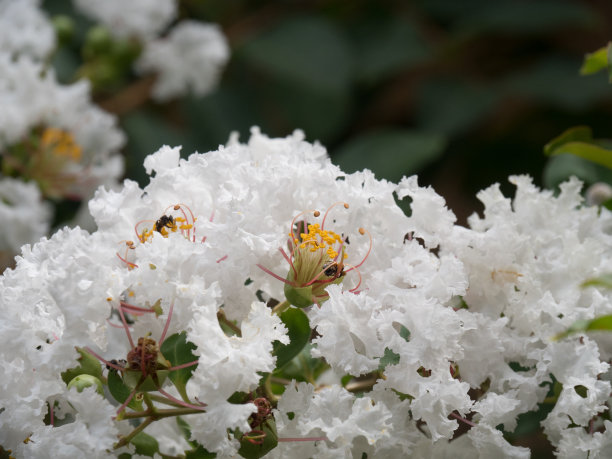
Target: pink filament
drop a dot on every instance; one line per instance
(224, 257)
(468, 422)
(288, 260)
(129, 263)
(327, 212)
(106, 362)
(127, 329)
(181, 402)
(293, 222)
(282, 279)
(163, 335)
(184, 365)
(127, 400)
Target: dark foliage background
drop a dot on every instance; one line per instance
(462, 93)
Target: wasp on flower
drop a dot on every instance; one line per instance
(316, 260)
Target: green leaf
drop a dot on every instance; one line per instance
(145, 444)
(559, 168)
(596, 61)
(199, 453)
(250, 451)
(303, 367)
(573, 134)
(604, 280)
(387, 46)
(582, 326)
(451, 106)
(308, 50)
(554, 80)
(88, 365)
(178, 351)
(389, 358)
(120, 391)
(534, 16)
(588, 151)
(390, 153)
(299, 334)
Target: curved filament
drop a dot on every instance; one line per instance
(346, 206)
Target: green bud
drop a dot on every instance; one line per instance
(98, 41)
(64, 28)
(83, 381)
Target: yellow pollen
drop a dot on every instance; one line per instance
(361, 231)
(186, 227)
(346, 206)
(316, 213)
(61, 143)
(109, 299)
(131, 293)
(177, 207)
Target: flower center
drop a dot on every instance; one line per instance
(60, 143)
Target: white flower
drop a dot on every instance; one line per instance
(26, 217)
(142, 19)
(191, 57)
(79, 142)
(25, 29)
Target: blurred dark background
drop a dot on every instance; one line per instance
(464, 93)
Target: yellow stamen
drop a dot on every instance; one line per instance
(61, 143)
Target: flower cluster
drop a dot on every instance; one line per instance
(190, 57)
(406, 327)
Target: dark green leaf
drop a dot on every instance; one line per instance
(120, 391)
(88, 365)
(605, 280)
(555, 80)
(534, 16)
(199, 453)
(385, 47)
(250, 451)
(390, 153)
(178, 351)
(451, 106)
(310, 51)
(145, 444)
(299, 334)
(304, 367)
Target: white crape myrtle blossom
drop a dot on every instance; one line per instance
(142, 19)
(450, 324)
(25, 215)
(190, 57)
(25, 29)
(526, 260)
(32, 98)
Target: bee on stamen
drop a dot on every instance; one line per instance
(333, 269)
(165, 221)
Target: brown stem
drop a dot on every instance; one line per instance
(130, 98)
(223, 318)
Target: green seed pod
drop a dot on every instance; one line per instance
(83, 381)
